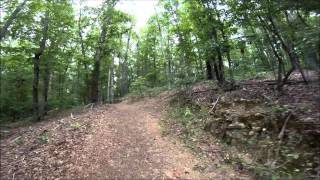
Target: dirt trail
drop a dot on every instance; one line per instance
(127, 143)
(120, 141)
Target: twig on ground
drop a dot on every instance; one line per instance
(53, 110)
(15, 139)
(214, 106)
(88, 105)
(72, 117)
(56, 127)
(266, 97)
(206, 90)
(281, 134)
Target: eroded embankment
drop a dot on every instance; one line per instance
(265, 133)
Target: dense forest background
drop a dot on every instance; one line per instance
(60, 54)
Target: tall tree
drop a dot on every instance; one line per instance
(36, 67)
(106, 18)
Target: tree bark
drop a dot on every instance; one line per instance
(46, 81)
(209, 70)
(1, 69)
(10, 20)
(230, 66)
(36, 68)
(169, 57)
(99, 54)
(124, 70)
(110, 82)
(154, 66)
(86, 94)
(96, 67)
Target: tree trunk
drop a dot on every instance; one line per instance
(46, 80)
(35, 85)
(218, 65)
(10, 20)
(95, 81)
(230, 65)
(220, 68)
(209, 70)
(154, 70)
(226, 40)
(85, 95)
(95, 77)
(169, 57)
(276, 54)
(96, 67)
(110, 82)
(1, 69)
(289, 49)
(124, 70)
(36, 68)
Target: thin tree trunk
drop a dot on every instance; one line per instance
(124, 70)
(1, 69)
(46, 81)
(154, 69)
(289, 49)
(36, 68)
(226, 40)
(230, 66)
(110, 82)
(169, 57)
(280, 60)
(85, 97)
(218, 66)
(10, 20)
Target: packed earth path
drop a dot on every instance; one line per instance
(119, 141)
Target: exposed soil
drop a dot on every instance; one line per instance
(275, 133)
(120, 141)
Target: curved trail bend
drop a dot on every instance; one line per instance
(127, 143)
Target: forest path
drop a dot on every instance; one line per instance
(126, 143)
(118, 141)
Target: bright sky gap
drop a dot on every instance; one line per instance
(141, 10)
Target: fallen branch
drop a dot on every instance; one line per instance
(266, 97)
(88, 105)
(206, 90)
(269, 82)
(53, 110)
(72, 117)
(15, 139)
(281, 134)
(214, 106)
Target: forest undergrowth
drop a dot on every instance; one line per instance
(265, 134)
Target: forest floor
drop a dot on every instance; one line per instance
(119, 141)
(198, 132)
